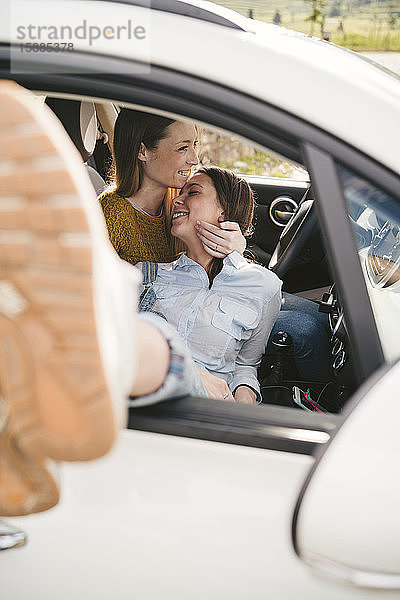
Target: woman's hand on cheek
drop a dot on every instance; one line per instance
(233, 236)
(221, 241)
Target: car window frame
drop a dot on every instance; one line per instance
(333, 213)
(186, 95)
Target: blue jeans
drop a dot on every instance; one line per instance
(310, 333)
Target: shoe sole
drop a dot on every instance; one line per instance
(54, 393)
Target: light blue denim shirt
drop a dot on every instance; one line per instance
(226, 328)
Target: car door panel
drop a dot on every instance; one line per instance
(168, 530)
(149, 500)
(142, 523)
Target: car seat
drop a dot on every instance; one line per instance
(80, 122)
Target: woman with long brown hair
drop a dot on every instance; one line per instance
(152, 158)
(224, 309)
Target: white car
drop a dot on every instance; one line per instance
(203, 499)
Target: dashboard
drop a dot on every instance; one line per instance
(339, 351)
(339, 342)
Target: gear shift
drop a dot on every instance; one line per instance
(283, 344)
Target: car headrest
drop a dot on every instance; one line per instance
(80, 122)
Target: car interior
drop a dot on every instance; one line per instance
(286, 238)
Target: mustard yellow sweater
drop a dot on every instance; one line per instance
(135, 236)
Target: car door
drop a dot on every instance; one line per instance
(196, 500)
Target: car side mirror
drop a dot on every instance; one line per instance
(347, 521)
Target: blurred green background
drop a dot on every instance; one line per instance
(357, 24)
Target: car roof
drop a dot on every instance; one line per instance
(327, 86)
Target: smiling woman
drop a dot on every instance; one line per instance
(198, 199)
(133, 207)
(153, 157)
(211, 194)
(223, 309)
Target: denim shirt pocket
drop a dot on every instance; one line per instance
(234, 318)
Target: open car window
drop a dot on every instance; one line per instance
(281, 186)
(276, 177)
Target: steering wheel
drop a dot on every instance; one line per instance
(293, 237)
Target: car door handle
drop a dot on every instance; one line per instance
(11, 537)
